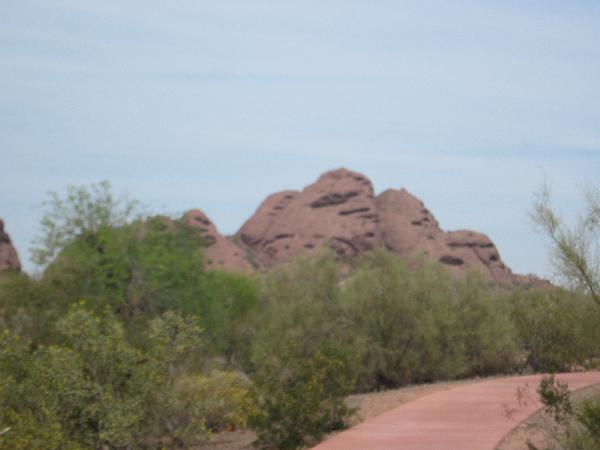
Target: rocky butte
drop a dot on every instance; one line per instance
(340, 211)
(9, 260)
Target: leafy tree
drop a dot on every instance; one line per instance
(138, 268)
(576, 257)
(576, 249)
(83, 212)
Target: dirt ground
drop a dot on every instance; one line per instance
(534, 428)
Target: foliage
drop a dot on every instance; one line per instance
(137, 271)
(557, 329)
(83, 212)
(303, 358)
(22, 431)
(132, 367)
(385, 326)
(576, 253)
(576, 249)
(228, 304)
(96, 390)
(572, 426)
(225, 398)
(556, 399)
(422, 325)
(488, 332)
(148, 266)
(303, 400)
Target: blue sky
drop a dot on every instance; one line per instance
(217, 104)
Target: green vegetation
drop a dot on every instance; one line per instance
(569, 424)
(576, 257)
(424, 325)
(303, 360)
(94, 389)
(125, 341)
(558, 330)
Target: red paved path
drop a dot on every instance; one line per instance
(471, 417)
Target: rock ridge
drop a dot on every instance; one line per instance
(340, 211)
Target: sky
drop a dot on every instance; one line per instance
(470, 105)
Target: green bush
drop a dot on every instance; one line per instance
(225, 397)
(303, 359)
(96, 390)
(557, 329)
(490, 338)
(302, 400)
(424, 325)
(571, 425)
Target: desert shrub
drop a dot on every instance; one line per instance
(571, 425)
(27, 307)
(225, 397)
(228, 304)
(138, 271)
(424, 325)
(194, 406)
(23, 431)
(303, 359)
(489, 335)
(395, 326)
(557, 329)
(301, 399)
(95, 390)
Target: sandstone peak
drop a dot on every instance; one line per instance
(340, 210)
(337, 210)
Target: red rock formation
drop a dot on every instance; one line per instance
(339, 210)
(220, 252)
(8, 255)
